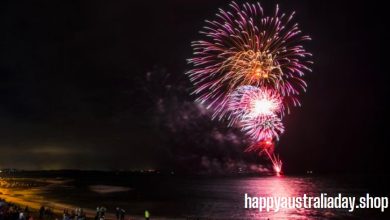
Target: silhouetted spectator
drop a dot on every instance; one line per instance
(123, 212)
(42, 212)
(147, 215)
(117, 213)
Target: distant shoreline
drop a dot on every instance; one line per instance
(19, 199)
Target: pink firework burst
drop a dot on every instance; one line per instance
(244, 46)
(263, 127)
(251, 101)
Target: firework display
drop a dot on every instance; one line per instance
(249, 70)
(252, 102)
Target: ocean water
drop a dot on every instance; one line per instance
(208, 197)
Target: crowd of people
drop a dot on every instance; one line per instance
(10, 211)
(76, 214)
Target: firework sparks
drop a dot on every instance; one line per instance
(252, 102)
(246, 47)
(276, 163)
(263, 128)
(262, 146)
(249, 70)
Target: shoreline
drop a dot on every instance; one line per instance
(59, 208)
(29, 197)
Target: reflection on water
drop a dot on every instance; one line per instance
(284, 187)
(221, 198)
(224, 198)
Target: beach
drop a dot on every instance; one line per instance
(169, 197)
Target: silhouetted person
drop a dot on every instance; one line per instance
(42, 212)
(97, 216)
(26, 210)
(117, 213)
(147, 215)
(65, 215)
(123, 212)
(49, 213)
(102, 212)
(22, 216)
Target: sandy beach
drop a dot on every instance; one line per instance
(25, 192)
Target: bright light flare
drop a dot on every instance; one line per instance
(278, 168)
(263, 107)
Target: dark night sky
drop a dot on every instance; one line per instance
(69, 96)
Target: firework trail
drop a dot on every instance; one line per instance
(249, 70)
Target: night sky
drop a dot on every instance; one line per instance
(72, 86)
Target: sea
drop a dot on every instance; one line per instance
(171, 196)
